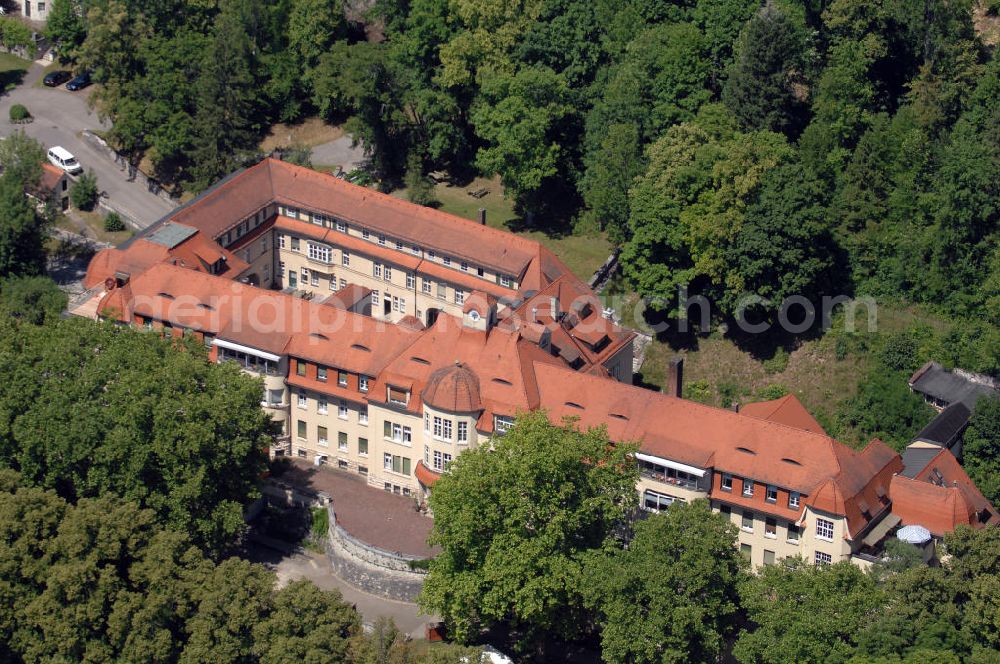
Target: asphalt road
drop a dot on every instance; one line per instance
(60, 117)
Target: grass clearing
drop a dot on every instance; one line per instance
(12, 70)
(582, 254)
(717, 370)
(310, 132)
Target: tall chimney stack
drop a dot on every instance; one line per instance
(482, 216)
(675, 377)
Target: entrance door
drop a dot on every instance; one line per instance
(387, 305)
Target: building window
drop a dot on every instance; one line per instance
(465, 266)
(425, 285)
(407, 435)
(321, 405)
(275, 397)
(748, 488)
(447, 460)
(300, 368)
(427, 456)
(502, 423)
(793, 533)
(656, 502)
(366, 234)
(363, 414)
(446, 260)
(342, 464)
(281, 241)
(768, 557)
(437, 426)
(397, 432)
(381, 239)
(315, 279)
(363, 383)
(342, 378)
(342, 441)
(363, 446)
(398, 396)
(463, 432)
(447, 430)
(727, 482)
(442, 291)
(303, 401)
(342, 227)
(377, 270)
(318, 252)
(746, 550)
(770, 527)
(772, 494)
(727, 510)
(397, 464)
(747, 524)
(459, 297)
(505, 281)
(415, 249)
(793, 499)
(342, 410)
(824, 529)
(411, 281)
(345, 257)
(343, 284)
(363, 470)
(301, 429)
(281, 268)
(295, 244)
(305, 275)
(387, 461)
(823, 558)
(321, 434)
(321, 373)
(388, 273)
(399, 245)
(437, 460)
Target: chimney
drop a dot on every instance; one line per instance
(675, 377)
(534, 314)
(482, 216)
(554, 307)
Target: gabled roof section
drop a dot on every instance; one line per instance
(787, 410)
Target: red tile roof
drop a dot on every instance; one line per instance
(786, 410)
(454, 389)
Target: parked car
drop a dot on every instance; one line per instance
(61, 158)
(79, 83)
(55, 78)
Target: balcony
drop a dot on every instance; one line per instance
(690, 485)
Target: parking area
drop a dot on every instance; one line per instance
(60, 117)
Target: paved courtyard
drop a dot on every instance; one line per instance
(373, 516)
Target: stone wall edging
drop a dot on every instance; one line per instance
(372, 555)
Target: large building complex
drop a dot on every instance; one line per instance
(391, 337)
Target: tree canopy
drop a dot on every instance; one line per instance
(513, 551)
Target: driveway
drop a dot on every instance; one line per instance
(339, 152)
(60, 117)
(316, 568)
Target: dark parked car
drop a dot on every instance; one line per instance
(79, 83)
(57, 78)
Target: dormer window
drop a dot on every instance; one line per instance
(748, 488)
(398, 396)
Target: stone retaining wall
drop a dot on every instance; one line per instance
(372, 555)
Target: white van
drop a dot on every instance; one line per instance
(61, 158)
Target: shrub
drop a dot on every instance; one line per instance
(320, 523)
(727, 393)
(83, 192)
(113, 222)
(772, 392)
(698, 390)
(900, 353)
(777, 363)
(19, 113)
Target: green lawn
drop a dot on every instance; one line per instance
(582, 254)
(91, 224)
(12, 70)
